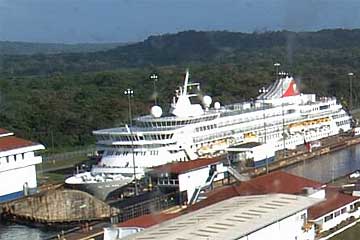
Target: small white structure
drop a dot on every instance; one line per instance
(17, 166)
(254, 154)
(258, 217)
(189, 176)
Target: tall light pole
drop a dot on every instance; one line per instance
(130, 93)
(283, 74)
(154, 77)
(350, 90)
(263, 91)
(276, 65)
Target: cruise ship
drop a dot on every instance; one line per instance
(280, 117)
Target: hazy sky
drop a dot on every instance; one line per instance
(133, 20)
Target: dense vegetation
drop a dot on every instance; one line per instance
(61, 98)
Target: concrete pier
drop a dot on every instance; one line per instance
(59, 207)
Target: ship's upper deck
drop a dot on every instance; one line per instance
(282, 94)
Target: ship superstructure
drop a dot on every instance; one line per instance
(281, 117)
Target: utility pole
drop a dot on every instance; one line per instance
(283, 75)
(263, 91)
(154, 77)
(277, 65)
(130, 93)
(350, 90)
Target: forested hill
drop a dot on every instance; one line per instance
(59, 99)
(29, 48)
(187, 47)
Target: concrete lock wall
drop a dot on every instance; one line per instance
(62, 205)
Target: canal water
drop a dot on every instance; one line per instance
(322, 169)
(330, 166)
(21, 232)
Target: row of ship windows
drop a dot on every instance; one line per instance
(175, 123)
(341, 123)
(319, 135)
(339, 116)
(315, 109)
(238, 130)
(250, 119)
(135, 137)
(204, 128)
(116, 153)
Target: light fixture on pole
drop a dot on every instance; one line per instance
(282, 76)
(350, 90)
(154, 77)
(277, 65)
(130, 93)
(263, 91)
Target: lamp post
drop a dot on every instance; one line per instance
(130, 93)
(283, 74)
(263, 91)
(154, 77)
(277, 65)
(350, 90)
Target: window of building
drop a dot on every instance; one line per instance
(328, 217)
(337, 213)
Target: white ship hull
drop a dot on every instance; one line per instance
(281, 117)
(100, 190)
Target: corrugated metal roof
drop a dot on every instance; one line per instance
(275, 182)
(149, 220)
(229, 219)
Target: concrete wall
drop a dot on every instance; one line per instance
(17, 168)
(13, 180)
(61, 205)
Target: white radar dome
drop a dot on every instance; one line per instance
(207, 101)
(156, 111)
(217, 105)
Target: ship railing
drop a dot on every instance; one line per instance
(168, 182)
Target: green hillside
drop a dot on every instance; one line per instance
(66, 96)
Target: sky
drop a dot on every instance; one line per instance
(98, 21)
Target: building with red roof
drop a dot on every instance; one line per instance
(331, 211)
(4, 132)
(17, 165)
(336, 208)
(189, 176)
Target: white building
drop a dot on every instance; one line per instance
(17, 165)
(337, 208)
(190, 175)
(258, 217)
